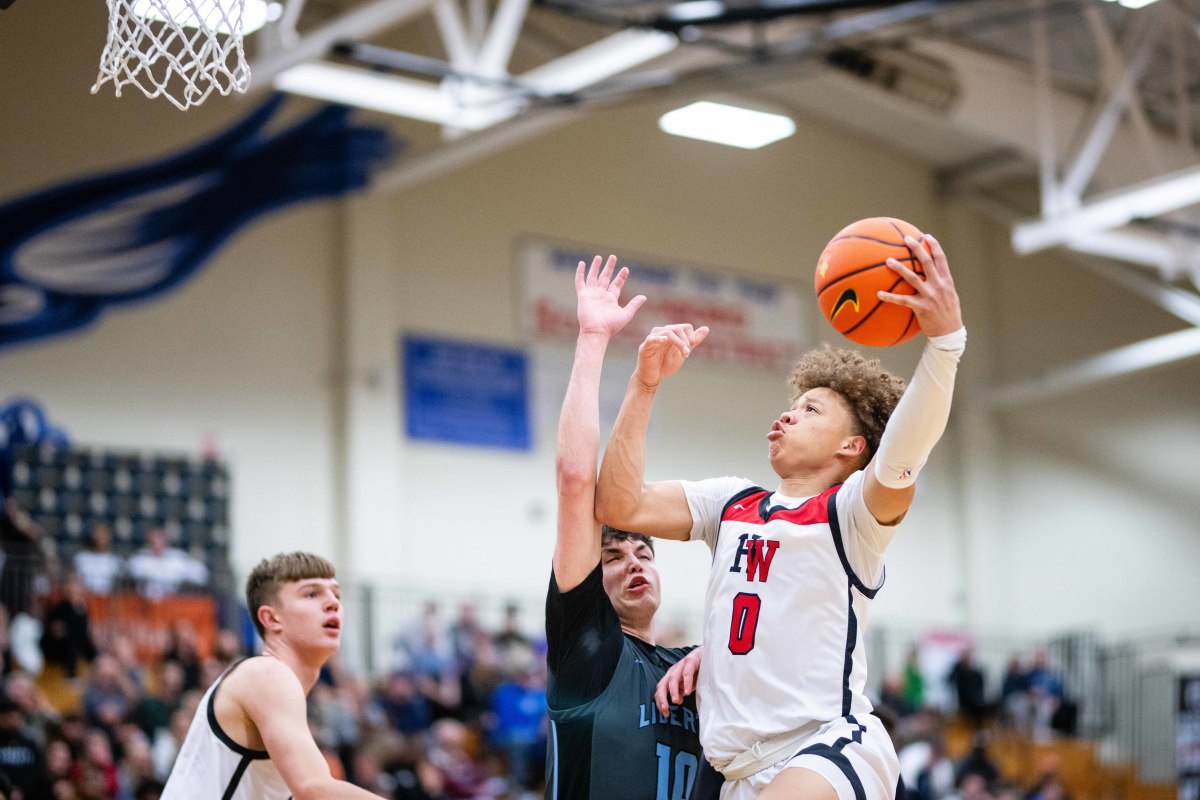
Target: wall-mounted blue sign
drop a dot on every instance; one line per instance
(466, 393)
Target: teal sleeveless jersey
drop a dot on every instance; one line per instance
(607, 739)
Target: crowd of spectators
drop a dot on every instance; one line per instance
(459, 713)
(1031, 704)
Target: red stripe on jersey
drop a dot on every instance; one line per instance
(812, 511)
(745, 510)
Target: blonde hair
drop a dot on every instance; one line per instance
(262, 587)
(870, 391)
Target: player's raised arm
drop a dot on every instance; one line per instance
(271, 696)
(601, 316)
(623, 499)
(921, 415)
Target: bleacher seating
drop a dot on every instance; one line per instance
(68, 491)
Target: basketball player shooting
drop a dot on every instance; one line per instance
(250, 738)
(783, 713)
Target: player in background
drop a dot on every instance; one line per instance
(607, 742)
(250, 738)
(781, 690)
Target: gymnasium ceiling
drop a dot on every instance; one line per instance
(1073, 121)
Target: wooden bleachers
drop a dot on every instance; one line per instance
(1022, 759)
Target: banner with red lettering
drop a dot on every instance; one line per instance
(754, 321)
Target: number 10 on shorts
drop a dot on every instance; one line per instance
(678, 773)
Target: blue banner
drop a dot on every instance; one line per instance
(466, 393)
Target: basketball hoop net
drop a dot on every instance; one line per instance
(182, 50)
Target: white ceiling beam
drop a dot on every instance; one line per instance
(390, 94)
(1183, 304)
(453, 31)
(501, 37)
(358, 24)
(1115, 58)
(1171, 258)
(1146, 200)
(1108, 117)
(1155, 352)
(598, 61)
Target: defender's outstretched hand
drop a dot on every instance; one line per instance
(664, 351)
(599, 298)
(679, 682)
(935, 301)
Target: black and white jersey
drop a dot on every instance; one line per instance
(212, 766)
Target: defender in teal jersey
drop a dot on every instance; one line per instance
(608, 741)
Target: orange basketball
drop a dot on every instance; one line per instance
(853, 267)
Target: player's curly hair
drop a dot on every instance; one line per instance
(869, 390)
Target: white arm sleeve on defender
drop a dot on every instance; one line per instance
(921, 415)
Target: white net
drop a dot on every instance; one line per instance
(182, 50)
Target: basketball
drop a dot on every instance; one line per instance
(853, 268)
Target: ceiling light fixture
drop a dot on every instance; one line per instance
(725, 124)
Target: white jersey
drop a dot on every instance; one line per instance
(212, 766)
(785, 609)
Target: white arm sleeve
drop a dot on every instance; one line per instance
(863, 536)
(706, 499)
(921, 415)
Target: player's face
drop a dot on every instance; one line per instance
(311, 612)
(810, 433)
(631, 579)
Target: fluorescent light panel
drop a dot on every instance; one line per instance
(212, 13)
(725, 124)
(1134, 3)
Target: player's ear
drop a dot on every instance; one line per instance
(854, 446)
(269, 619)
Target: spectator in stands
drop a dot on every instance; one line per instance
(20, 757)
(67, 634)
(160, 571)
(892, 701)
(59, 764)
(1014, 696)
(6, 657)
(978, 762)
(406, 709)
(512, 645)
(465, 634)
(1046, 695)
(914, 680)
(23, 560)
(971, 787)
(519, 706)
(183, 648)
(95, 770)
(98, 566)
(153, 711)
(136, 766)
(109, 695)
(968, 682)
(41, 718)
(424, 648)
(1049, 787)
(463, 776)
